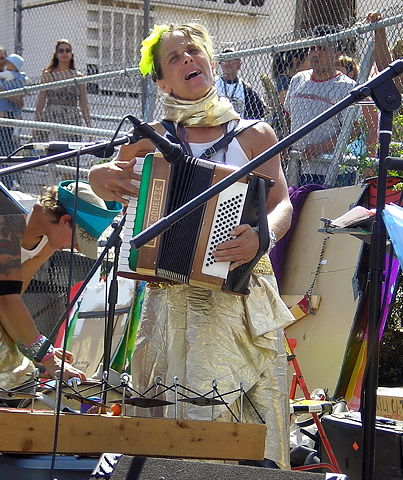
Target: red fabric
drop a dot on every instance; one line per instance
(60, 334)
(391, 196)
(304, 304)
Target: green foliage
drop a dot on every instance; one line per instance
(397, 130)
(368, 165)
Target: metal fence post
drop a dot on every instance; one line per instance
(146, 88)
(18, 27)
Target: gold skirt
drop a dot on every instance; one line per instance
(201, 335)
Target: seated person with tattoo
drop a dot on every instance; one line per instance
(27, 241)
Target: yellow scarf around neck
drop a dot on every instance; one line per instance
(208, 111)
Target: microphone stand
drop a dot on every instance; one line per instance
(101, 149)
(112, 301)
(115, 241)
(387, 98)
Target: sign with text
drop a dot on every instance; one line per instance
(257, 7)
(389, 403)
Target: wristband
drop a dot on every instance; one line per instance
(272, 236)
(273, 240)
(32, 350)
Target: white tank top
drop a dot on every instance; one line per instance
(234, 154)
(28, 254)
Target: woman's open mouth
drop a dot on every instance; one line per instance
(192, 74)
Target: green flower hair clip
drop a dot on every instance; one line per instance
(146, 63)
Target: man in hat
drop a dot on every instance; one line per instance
(27, 242)
(245, 100)
(311, 92)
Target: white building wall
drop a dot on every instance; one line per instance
(79, 22)
(7, 24)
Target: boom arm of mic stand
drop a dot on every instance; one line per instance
(172, 152)
(358, 93)
(90, 150)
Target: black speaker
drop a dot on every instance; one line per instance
(345, 436)
(139, 468)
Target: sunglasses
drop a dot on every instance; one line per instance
(64, 50)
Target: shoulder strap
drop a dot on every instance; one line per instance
(219, 145)
(226, 140)
(169, 127)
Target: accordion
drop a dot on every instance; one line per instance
(183, 254)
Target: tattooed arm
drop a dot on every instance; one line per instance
(14, 316)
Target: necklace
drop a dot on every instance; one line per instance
(236, 84)
(235, 97)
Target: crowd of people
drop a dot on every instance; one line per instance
(302, 92)
(67, 105)
(195, 333)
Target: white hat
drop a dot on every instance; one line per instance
(16, 60)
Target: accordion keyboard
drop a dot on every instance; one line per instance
(131, 209)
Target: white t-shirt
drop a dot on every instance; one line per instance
(234, 92)
(307, 98)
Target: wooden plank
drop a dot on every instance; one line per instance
(94, 434)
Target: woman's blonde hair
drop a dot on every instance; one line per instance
(195, 32)
(49, 201)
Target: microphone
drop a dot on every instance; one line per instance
(172, 152)
(59, 147)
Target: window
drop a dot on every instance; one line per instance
(318, 12)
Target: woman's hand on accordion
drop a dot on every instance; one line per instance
(239, 250)
(112, 181)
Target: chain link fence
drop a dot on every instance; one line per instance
(269, 43)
